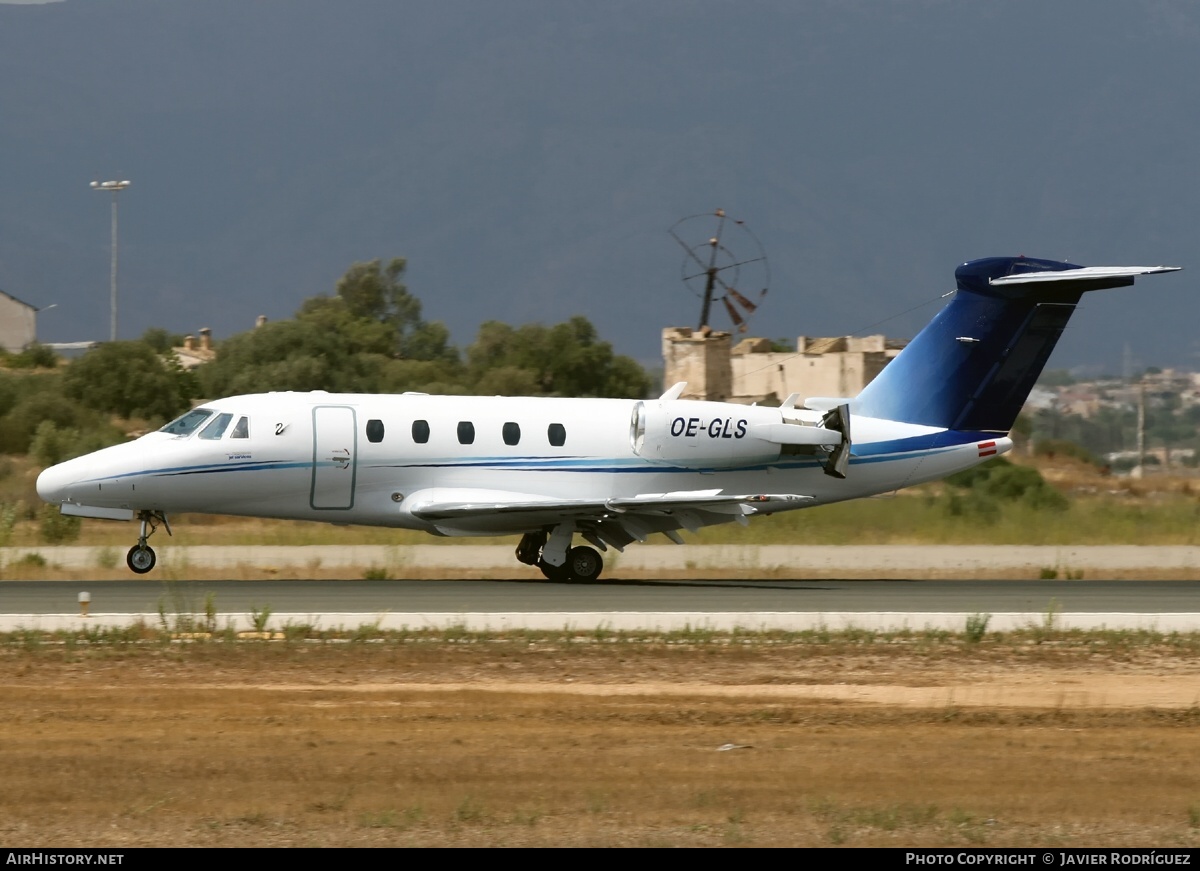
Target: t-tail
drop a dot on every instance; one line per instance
(973, 366)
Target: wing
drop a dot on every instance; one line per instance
(616, 520)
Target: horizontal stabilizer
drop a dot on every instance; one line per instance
(1083, 273)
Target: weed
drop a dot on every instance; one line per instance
(469, 810)
(1050, 617)
(374, 573)
(528, 817)
(299, 631)
(379, 820)
(31, 560)
(1194, 816)
(259, 617)
(368, 631)
(733, 828)
(977, 625)
(210, 612)
(1048, 574)
(8, 520)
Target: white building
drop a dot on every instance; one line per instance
(18, 323)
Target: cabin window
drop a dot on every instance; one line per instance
(375, 431)
(216, 428)
(188, 423)
(420, 431)
(242, 429)
(466, 432)
(511, 433)
(557, 433)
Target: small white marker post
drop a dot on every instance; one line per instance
(85, 599)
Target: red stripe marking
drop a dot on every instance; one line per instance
(983, 445)
(987, 453)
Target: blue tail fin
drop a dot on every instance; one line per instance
(973, 366)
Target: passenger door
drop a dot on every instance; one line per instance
(335, 454)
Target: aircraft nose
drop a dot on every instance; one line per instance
(53, 482)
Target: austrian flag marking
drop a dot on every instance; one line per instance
(987, 449)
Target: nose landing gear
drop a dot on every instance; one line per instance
(141, 557)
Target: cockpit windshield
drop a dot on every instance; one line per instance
(188, 423)
(216, 429)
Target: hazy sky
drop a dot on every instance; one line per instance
(528, 157)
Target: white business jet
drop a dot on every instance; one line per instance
(610, 471)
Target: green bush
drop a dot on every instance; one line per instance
(34, 356)
(1001, 481)
(53, 444)
(18, 426)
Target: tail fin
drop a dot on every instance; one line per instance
(973, 366)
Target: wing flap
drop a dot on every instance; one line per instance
(446, 504)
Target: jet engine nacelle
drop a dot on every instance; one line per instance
(720, 435)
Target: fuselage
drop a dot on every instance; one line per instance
(358, 458)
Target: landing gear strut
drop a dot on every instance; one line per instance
(141, 558)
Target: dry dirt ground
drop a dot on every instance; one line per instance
(918, 741)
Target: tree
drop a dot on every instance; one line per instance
(567, 359)
(129, 379)
(370, 338)
(161, 340)
(373, 293)
(292, 355)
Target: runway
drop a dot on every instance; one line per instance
(618, 605)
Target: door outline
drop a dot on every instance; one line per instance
(330, 435)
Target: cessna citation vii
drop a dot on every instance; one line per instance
(608, 471)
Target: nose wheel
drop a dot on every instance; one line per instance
(141, 557)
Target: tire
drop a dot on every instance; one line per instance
(585, 564)
(140, 559)
(558, 574)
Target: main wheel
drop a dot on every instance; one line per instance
(558, 574)
(140, 558)
(585, 563)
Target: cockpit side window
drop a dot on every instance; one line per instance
(242, 429)
(188, 423)
(216, 428)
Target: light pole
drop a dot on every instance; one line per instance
(116, 187)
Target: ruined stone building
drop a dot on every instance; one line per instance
(717, 370)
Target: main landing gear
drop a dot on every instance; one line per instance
(576, 564)
(141, 558)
